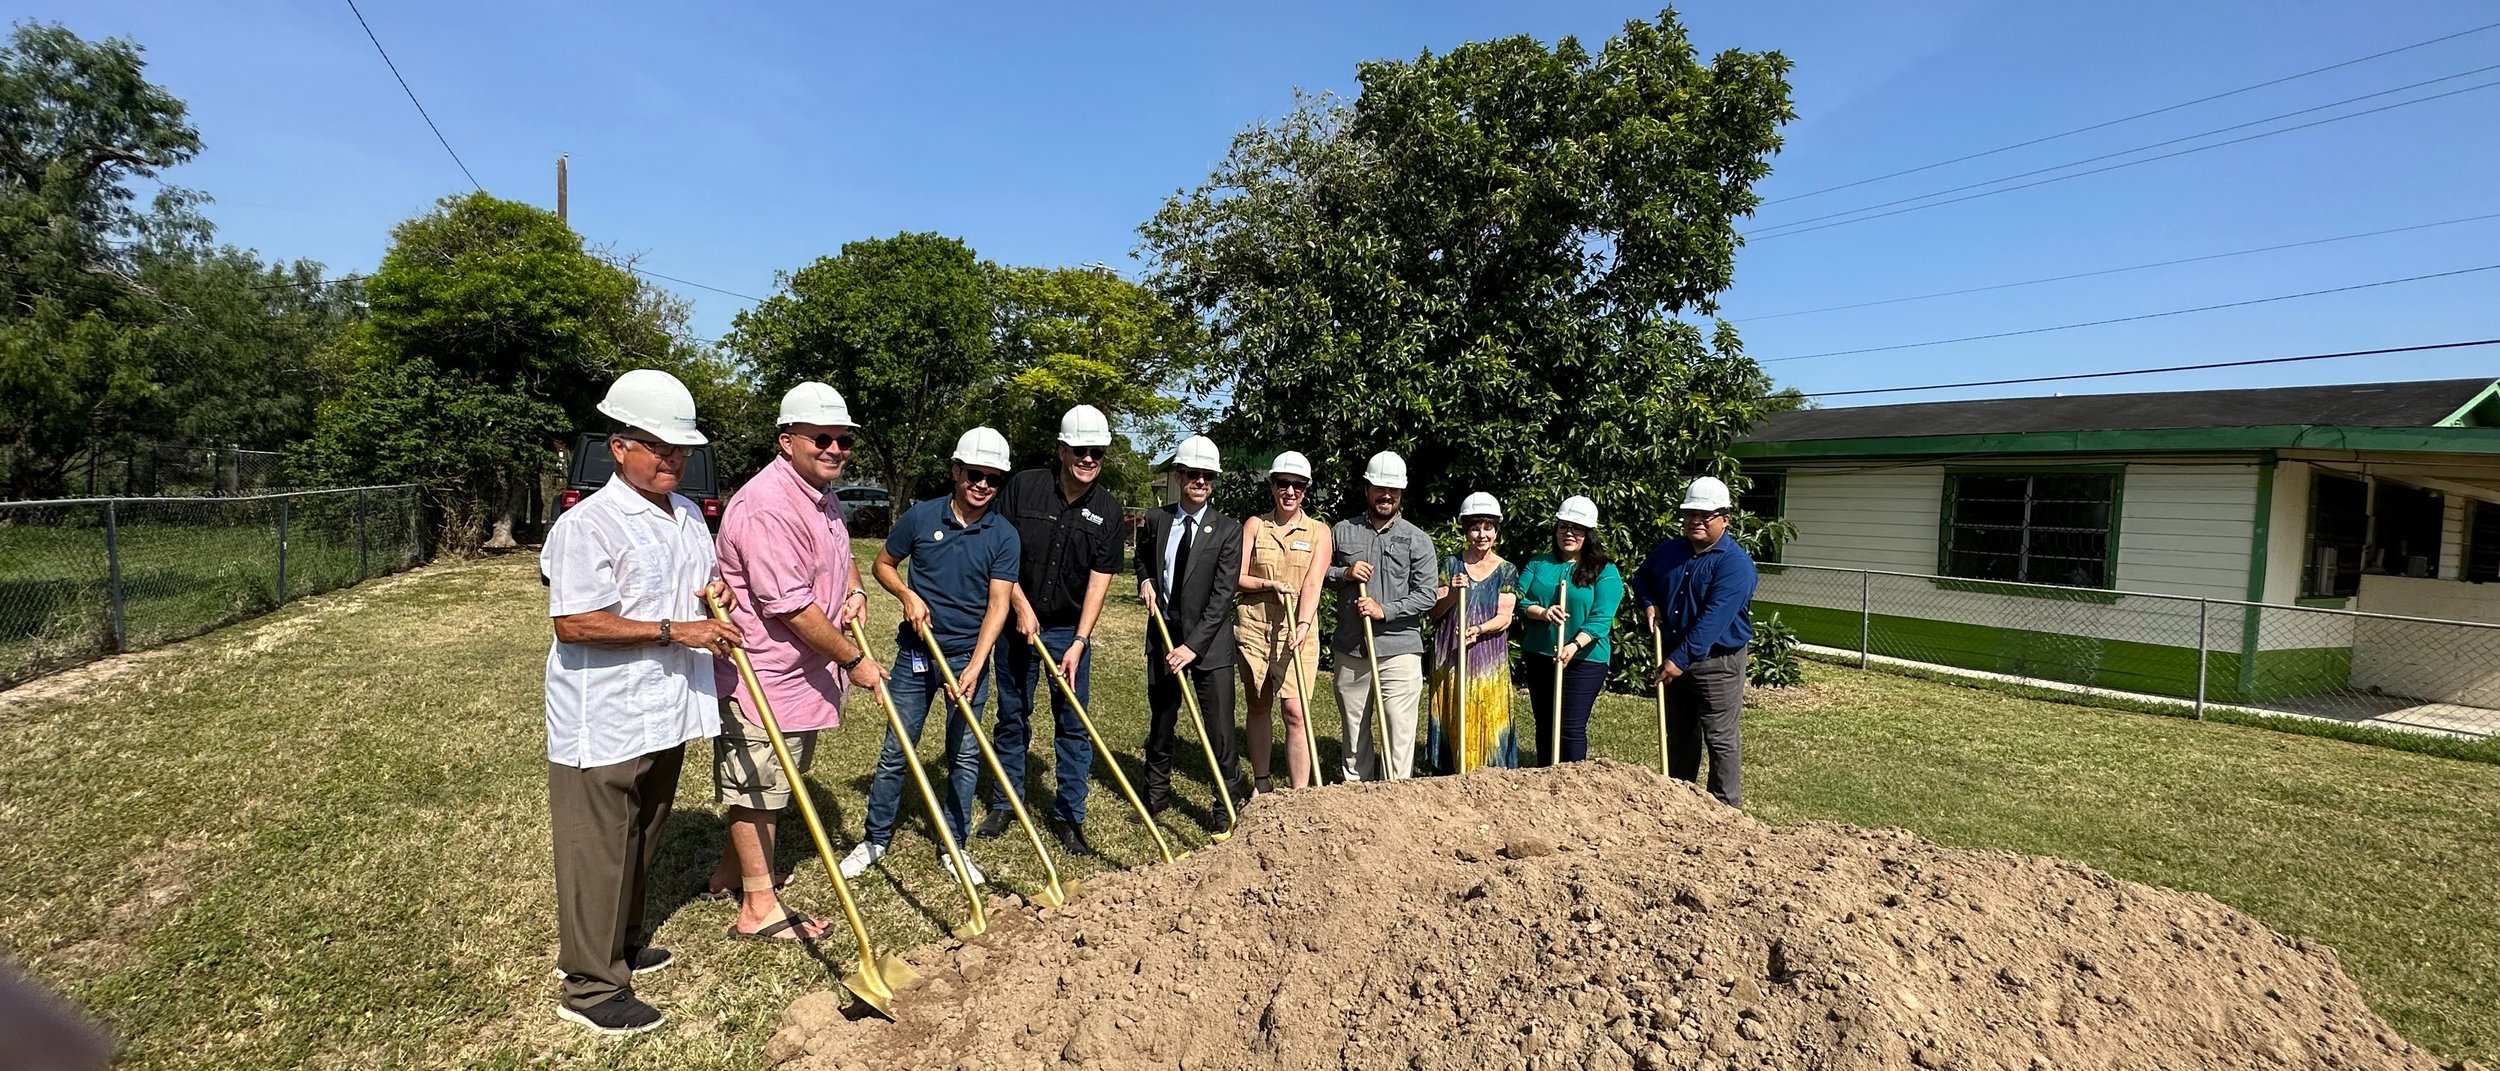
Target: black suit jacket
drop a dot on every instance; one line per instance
(1200, 604)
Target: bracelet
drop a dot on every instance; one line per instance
(1084, 639)
(663, 632)
(854, 662)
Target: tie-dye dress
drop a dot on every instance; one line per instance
(1487, 734)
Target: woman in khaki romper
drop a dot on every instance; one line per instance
(1283, 550)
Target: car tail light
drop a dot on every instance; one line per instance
(711, 508)
(570, 498)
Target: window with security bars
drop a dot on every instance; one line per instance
(1762, 500)
(2482, 544)
(2044, 528)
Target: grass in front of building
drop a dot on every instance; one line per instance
(319, 838)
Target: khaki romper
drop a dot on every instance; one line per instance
(1261, 624)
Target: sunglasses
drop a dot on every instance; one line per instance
(1197, 476)
(1691, 516)
(826, 440)
(1088, 453)
(658, 449)
(1296, 486)
(981, 478)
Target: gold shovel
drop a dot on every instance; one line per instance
(1053, 893)
(877, 977)
(1380, 704)
(1101, 752)
(1654, 645)
(1554, 745)
(1310, 736)
(1189, 701)
(978, 922)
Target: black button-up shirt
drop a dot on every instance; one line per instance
(1065, 542)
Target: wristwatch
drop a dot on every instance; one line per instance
(1087, 640)
(663, 632)
(854, 662)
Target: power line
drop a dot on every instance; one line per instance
(2136, 116)
(2159, 371)
(2115, 271)
(2130, 319)
(1784, 233)
(690, 282)
(412, 97)
(2132, 150)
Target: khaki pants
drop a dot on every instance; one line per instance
(606, 823)
(1402, 685)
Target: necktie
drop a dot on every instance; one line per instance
(1180, 555)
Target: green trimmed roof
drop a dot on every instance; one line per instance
(2443, 416)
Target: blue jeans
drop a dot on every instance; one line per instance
(914, 686)
(1022, 676)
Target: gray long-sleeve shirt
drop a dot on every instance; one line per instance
(1404, 578)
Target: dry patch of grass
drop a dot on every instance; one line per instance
(320, 839)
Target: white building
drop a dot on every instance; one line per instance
(2382, 498)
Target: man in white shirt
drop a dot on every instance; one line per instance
(629, 682)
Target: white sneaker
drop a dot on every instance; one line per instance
(948, 862)
(861, 858)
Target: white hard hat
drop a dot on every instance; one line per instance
(1290, 463)
(1578, 510)
(1705, 493)
(984, 447)
(1481, 504)
(1386, 469)
(815, 403)
(1085, 426)
(1198, 452)
(656, 402)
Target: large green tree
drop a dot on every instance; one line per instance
(1071, 336)
(490, 337)
(244, 350)
(902, 326)
(1492, 261)
(79, 123)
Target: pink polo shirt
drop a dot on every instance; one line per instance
(783, 546)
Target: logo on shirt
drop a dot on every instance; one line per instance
(937, 534)
(1090, 515)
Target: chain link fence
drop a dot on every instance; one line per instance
(81, 579)
(152, 469)
(2384, 670)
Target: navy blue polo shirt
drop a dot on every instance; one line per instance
(951, 566)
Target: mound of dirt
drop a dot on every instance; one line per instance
(1597, 916)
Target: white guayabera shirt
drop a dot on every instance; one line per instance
(619, 552)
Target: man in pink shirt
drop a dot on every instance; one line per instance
(786, 556)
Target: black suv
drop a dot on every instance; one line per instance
(592, 465)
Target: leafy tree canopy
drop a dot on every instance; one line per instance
(1483, 261)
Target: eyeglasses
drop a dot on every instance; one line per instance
(983, 478)
(661, 450)
(1695, 516)
(826, 440)
(1295, 486)
(1088, 453)
(1197, 476)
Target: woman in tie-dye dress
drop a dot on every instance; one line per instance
(1478, 591)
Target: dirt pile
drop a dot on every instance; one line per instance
(1600, 917)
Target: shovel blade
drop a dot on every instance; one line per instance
(876, 1000)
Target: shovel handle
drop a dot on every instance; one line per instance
(978, 921)
(1101, 750)
(1659, 647)
(989, 754)
(868, 966)
(1189, 700)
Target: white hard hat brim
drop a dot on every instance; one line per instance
(688, 437)
(1081, 439)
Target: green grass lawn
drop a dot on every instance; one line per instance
(319, 838)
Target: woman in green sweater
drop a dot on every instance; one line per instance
(1569, 594)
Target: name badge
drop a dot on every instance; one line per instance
(1302, 544)
(1090, 515)
(919, 664)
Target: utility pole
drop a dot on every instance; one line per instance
(560, 190)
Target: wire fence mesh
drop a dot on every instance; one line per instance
(2384, 670)
(81, 579)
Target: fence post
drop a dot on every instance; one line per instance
(282, 519)
(364, 551)
(2202, 615)
(1866, 615)
(113, 577)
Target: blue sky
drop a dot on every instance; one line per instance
(724, 145)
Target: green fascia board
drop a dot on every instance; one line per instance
(2438, 440)
(2482, 412)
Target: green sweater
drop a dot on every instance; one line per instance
(1592, 608)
